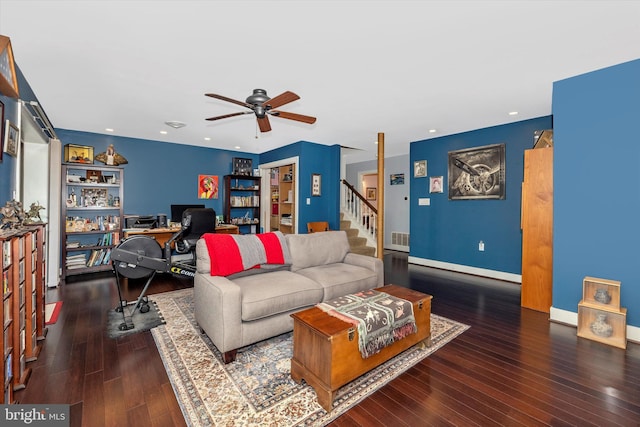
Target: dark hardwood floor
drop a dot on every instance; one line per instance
(512, 367)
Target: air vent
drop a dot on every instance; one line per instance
(400, 239)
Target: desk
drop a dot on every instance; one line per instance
(163, 234)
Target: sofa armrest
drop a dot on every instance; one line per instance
(369, 262)
(218, 310)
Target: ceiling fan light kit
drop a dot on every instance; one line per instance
(261, 105)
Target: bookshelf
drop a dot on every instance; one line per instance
(93, 211)
(242, 202)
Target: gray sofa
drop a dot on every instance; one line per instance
(239, 310)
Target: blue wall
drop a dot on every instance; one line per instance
(597, 184)
(313, 158)
(9, 164)
(160, 174)
(450, 230)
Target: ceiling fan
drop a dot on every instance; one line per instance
(261, 105)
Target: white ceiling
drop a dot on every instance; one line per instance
(360, 67)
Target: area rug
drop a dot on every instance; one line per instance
(141, 321)
(51, 312)
(257, 388)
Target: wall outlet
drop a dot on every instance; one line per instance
(481, 246)
(308, 200)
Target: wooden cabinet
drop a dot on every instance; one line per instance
(242, 202)
(35, 328)
(7, 262)
(93, 214)
(22, 255)
(537, 229)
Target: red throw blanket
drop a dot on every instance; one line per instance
(232, 253)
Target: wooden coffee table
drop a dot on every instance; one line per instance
(325, 348)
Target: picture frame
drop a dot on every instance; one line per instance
(11, 138)
(208, 187)
(242, 166)
(316, 184)
(419, 168)
(477, 173)
(396, 179)
(371, 193)
(78, 154)
(436, 184)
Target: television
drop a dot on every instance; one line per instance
(177, 210)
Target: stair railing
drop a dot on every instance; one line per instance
(356, 205)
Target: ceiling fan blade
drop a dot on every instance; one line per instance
(263, 124)
(293, 116)
(233, 101)
(283, 98)
(242, 113)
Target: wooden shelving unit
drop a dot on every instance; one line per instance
(22, 257)
(6, 261)
(287, 199)
(92, 215)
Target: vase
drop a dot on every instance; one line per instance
(600, 327)
(602, 296)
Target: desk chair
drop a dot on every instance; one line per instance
(195, 222)
(314, 227)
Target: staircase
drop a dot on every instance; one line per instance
(358, 244)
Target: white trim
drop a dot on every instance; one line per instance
(571, 318)
(500, 275)
(399, 248)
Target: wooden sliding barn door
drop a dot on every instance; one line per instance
(537, 229)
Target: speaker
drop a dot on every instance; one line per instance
(162, 221)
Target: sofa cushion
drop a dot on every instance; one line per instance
(341, 279)
(276, 292)
(310, 250)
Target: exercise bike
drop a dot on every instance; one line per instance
(140, 256)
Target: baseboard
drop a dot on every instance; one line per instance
(398, 248)
(570, 318)
(493, 274)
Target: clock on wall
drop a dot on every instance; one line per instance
(242, 166)
(8, 78)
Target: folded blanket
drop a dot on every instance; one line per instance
(381, 319)
(234, 253)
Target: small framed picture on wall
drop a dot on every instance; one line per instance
(316, 184)
(419, 168)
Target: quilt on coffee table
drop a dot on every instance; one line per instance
(381, 319)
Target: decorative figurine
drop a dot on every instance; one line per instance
(602, 296)
(600, 327)
(111, 158)
(12, 215)
(33, 215)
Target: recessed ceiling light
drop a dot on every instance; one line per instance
(237, 147)
(175, 124)
(206, 138)
(432, 131)
(164, 132)
(109, 130)
(513, 113)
